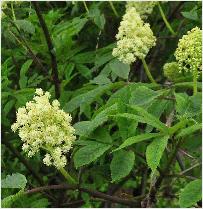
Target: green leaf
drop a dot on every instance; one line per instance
(100, 21)
(84, 71)
(101, 135)
(40, 203)
(142, 120)
(31, 201)
(142, 96)
(23, 78)
(89, 153)
(120, 96)
(16, 180)
(26, 26)
(7, 202)
(95, 14)
(71, 27)
(84, 128)
(88, 97)
(84, 57)
(127, 127)
(103, 55)
(151, 120)
(68, 70)
(101, 80)
(156, 109)
(188, 106)
(155, 151)
(137, 139)
(191, 15)
(23, 95)
(182, 101)
(189, 130)
(120, 69)
(195, 105)
(191, 194)
(9, 105)
(121, 164)
(35, 80)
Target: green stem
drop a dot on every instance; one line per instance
(194, 84)
(67, 176)
(165, 20)
(86, 8)
(188, 85)
(13, 13)
(178, 126)
(147, 71)
(113, 8)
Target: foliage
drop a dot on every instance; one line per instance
(187, 198)
(137, 126)
(15, 180)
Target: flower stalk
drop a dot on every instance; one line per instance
(86, 8)
(13, 13)
(67, 176)
(194, 85)
(147, 71)
(113, 8)
(165, 20)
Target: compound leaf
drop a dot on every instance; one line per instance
(155, 150)
(121, 164)
(191, 194)
(16, 180)
(89, 153)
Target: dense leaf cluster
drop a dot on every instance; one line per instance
(138, 143)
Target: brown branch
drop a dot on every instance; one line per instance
(50, 47)
(180, 176)
(91, 192)
(25, 44)
(144, 182)
(78, 203)
(179, 160)
(186, 154)
(113, 188)
(74, 204)
(188, 169)
(113, 198)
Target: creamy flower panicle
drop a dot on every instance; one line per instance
(144, 8)
(42, 125)
(189, 52)
(134, 38)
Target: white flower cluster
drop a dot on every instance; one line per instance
(189, 52)
(144, 8)
(42, 125)
(134, 38)
(171, 71)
